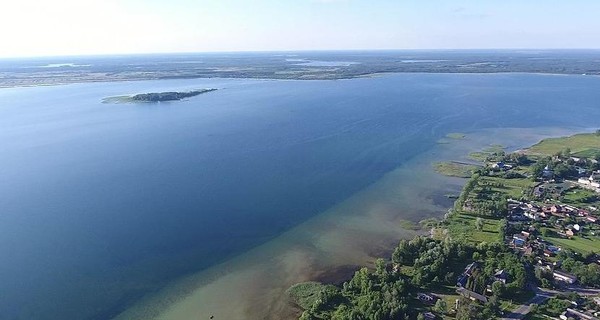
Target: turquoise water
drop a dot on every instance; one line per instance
(102, 204)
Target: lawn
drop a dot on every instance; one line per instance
(582, 144)
(579, 244)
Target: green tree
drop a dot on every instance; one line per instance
(479, 224)
(498, 288)
(440, 306)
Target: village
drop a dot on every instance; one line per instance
(545, 208)
(556, 219)
(521, 242)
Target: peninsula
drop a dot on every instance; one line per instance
(156, 96)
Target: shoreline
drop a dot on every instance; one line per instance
(363, 76)
(323, 247)
(403, 272)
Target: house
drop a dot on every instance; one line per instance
(581, 171)
(538, 191)
(569, 233)
(574, 314)
(528, 251)
(520, 236)
(462, 280)
(570, 208)
(427, 298)
(591, 219)
(472, 295)
(519, 240)
(549, 253)
(518, 243)
(564, 277)
(470, 268)
(501, 275)
(429, 316)
(547, 173)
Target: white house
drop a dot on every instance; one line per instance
(564, 277)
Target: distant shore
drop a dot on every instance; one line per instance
(304, 66)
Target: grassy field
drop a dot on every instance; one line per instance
(580, 144)
(462, 226)
(512, 188)
(453, 169)
(581, 198)
(580, 244)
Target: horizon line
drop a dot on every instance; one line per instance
(286, 51)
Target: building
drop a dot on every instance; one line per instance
(569, 233)
(427, 298)
(501, 275)
(574, 314)
(547, 173)
(429, 316)
(472, 295)
(564, 277)
(519, 240)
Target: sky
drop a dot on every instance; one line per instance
(82, 27)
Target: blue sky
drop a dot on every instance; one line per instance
(71, 27)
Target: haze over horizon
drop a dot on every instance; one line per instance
(29, 28)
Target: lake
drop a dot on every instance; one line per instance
(111, 210)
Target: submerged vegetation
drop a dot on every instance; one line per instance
(455, 169)
(456, 135)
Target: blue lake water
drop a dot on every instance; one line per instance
(102, 204)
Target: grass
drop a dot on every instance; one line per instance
(462, 226)
(512, 188)
(305, 293)
(577, 243)
(591, 153)
(448, 294)
(453, 169)
(581, 198)
(584, 143)
(486, 153)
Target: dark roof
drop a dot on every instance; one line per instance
(470, 294)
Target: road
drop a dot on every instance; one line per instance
(522, 310)
(542, 295)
